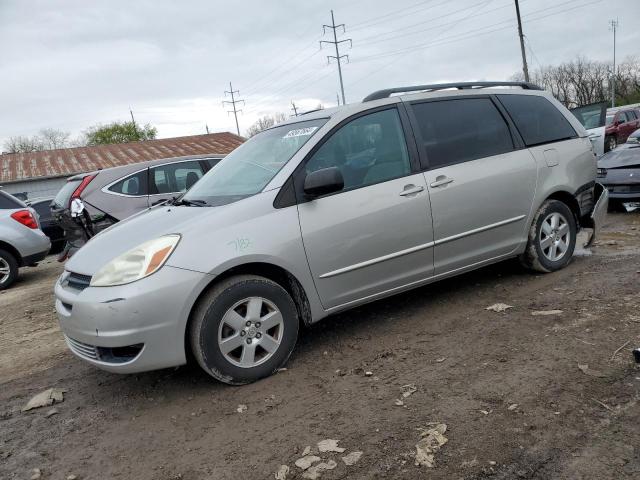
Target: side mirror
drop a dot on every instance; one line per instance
(321, 182)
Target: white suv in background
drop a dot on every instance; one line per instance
(22, 243)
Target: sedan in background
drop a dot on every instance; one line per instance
(48, 224)
(619, 172)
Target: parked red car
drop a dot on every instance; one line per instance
(620, 125)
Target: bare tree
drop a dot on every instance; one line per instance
(22, 144)
(53, 138)
(265, 122)
(46, 139)
(582, 81)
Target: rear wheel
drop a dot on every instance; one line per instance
(552, 238)
(8, 269)
(244, 329)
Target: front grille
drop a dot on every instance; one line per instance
(82, 349)
(78, 281)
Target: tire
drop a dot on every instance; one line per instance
(611, 143)
(8, 269)
(222, 316)
(548, 248)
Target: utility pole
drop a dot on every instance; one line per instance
(133, 120)
(525, 69)
(294, 108)
(613, 25)
(233, 103)
(335, 43)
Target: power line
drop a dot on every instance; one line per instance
(233, 103)
(464, 35)
(384, 36)
(403, 12)
(336, 43)
(457, 22)
(302, 80)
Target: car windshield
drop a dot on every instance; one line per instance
(609, 119)
(250, 167)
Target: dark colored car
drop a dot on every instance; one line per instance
(619, 172)
(620, 125)
(48, 224)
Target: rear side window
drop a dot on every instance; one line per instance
(8, 202)
(64, 194)
(459, 130)
(537, 119)
(133, 185)
(175, 177)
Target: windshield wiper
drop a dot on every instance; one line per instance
(188, 203)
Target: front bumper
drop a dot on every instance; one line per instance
(595, 220)
(130, 328)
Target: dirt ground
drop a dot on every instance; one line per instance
(507, 385)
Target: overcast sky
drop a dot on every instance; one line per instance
(73, 64)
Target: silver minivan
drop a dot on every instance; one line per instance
(330, 210)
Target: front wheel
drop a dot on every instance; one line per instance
(552, 238)
(244, 329)
(611, 143)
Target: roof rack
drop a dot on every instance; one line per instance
(386, 93)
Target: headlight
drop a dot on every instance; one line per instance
(137, 263)
(601, 172)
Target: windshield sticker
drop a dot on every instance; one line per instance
(300, 132)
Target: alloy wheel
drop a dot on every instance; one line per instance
(250, 332)
(5, 270)
(555, 236)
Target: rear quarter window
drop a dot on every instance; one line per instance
(537, 119)
(133, 185)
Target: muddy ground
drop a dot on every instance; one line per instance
(470, 367)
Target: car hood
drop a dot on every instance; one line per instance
(193, 224)
(621, 157)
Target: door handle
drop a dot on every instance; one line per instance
(411, 190)
(440, 181)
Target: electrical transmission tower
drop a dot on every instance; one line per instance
(336, 43)
(613, 26)
(233, 103)
(294, 108)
